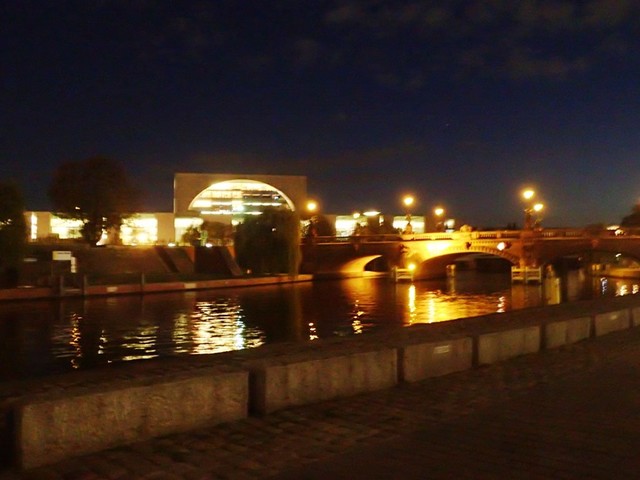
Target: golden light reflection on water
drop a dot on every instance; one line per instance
(219, 326)
(95, 332)
(502, 304)
(412, 304)
(356, 323)
(313, 331)
(433, 301)
(627, 288)
(75, 341)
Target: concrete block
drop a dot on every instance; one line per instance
(71, 425)
(498, 346)
(611, 321)
(425, 360)
(566, 332)
(304, 381)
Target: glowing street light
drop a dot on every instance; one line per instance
(408, 201)
(312, 206)
(528, 194)
(311, 220)
(439, 213)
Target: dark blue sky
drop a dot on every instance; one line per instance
(461, 103)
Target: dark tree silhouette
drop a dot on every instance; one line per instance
(632, 220)
(319, 226)
(269, 243)
(13, 233)
(96, 191)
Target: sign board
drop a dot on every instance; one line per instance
(62, 255)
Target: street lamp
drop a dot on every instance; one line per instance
(537, 208)
(530, 209)
(311, 220)
(408, 202)
(312, 206)
(528, 194)
(439, 212)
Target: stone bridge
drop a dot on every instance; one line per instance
(432, 252)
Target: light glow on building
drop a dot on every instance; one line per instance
(65, 228)
(141, 229)
(246, 197)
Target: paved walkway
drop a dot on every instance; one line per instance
(572, 413)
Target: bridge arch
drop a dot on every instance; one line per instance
(359, 264)
(432, 258)
(431, 252)
(436, 266)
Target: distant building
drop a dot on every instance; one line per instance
(197, 197)
(139, 229)
(228, 198)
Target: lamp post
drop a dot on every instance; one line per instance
(311, 209)
(531, 208)
(408, 202)
(438, 212)
(537, 208)
(528, 194)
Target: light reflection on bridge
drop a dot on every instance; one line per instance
(431, 252)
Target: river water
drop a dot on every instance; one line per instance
(45, 337)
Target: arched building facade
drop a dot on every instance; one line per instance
(197, 197)
(228, 198)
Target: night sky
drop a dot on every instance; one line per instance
(461, 103)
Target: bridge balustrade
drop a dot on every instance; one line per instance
(572, 233)
(496, 235)
(553, 233)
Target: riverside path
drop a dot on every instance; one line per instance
(568, 413)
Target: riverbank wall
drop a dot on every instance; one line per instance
(83, 289)
(48, 420)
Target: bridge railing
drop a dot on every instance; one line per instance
(477, 235)
(356, 238)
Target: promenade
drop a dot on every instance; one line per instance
(566, 413)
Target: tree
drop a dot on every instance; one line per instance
(13, 233)
(191, 236)
(319, 226)
(96, 191)
(632, 220)
(269, 243)
(216, 233)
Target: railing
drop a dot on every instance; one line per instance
(571, 233)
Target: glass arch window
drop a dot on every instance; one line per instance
(239, 197)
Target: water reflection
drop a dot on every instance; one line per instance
(38, 338)
(219, 326)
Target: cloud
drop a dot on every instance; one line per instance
(521, 65)
(609, 13)
(553, 39)
(397, 44)
(307, 51)
(349, 12)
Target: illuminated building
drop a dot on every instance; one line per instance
(228, 198)
(198, 197)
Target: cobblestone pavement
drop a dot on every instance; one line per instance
(538, 416)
